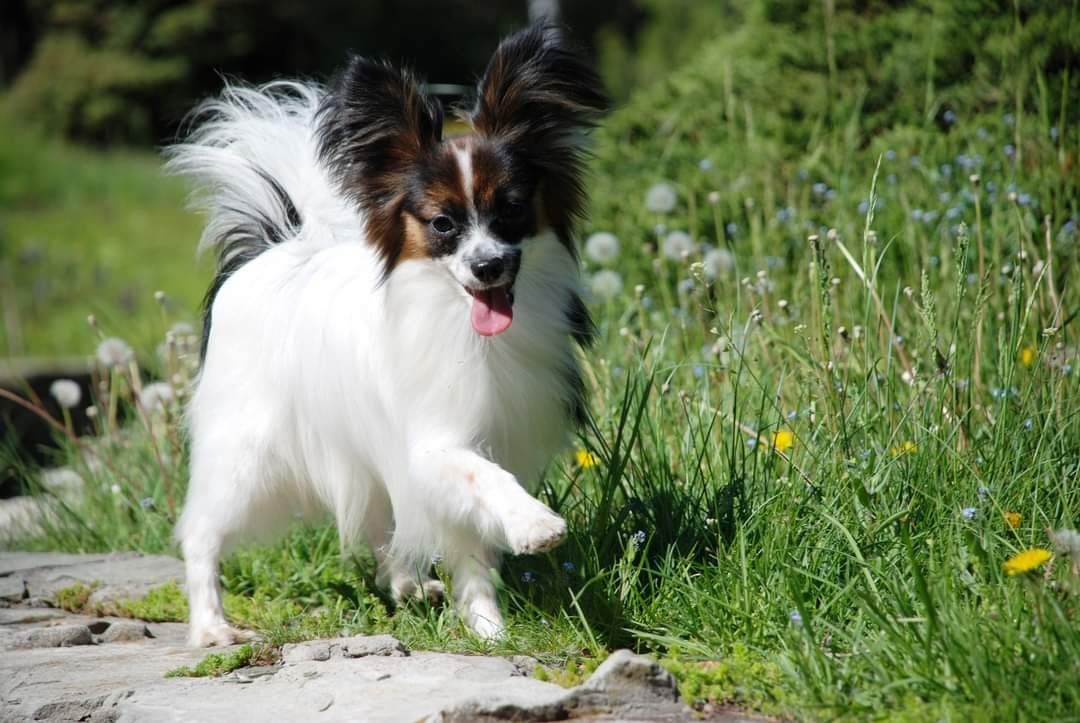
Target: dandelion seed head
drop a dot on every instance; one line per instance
(661, 198)
(602, 247)
(66, 392)
(114, 352)
(718, 262)
(606, 284)
(677, 245)
(1067, 542)
(156, 396)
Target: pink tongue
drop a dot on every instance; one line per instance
(491, 311)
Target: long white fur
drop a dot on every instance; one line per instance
(324, 388)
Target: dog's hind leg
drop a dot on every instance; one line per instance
(226, 496)
(470, 565)
(405, 581)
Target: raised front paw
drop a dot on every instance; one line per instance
(538, 532)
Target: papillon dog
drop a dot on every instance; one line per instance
(392, 332)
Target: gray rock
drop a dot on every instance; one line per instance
(118, 575)
(60, 636)
(359, 646)
(124, 631)
(317, 650)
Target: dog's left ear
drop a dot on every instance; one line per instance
(541, 95)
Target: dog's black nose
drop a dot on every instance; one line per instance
(488, 270)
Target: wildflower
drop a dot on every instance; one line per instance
(907, 447)
(1012, 519)
(113, 352)
(66, 392)
(1027, 356)
(705, 164)
(156, 396)
(602, 247)
(677, 245)
(717, 262)
(114, 488)
(1009, 150)
(160, 297)
(949, 117)
(1067, 542)
(606, 284)
(699, 371)
(782, 440)
(568, 567)
(638, 538)
(147, 503)
(586, 459)
(796, 618)
(1026, 561)
(890, 155)
(732, 228)
(686, 286)
(528, 576)
(1029, 424)
(713, 198)
(969, 513)
(820, 189)
(661, 198)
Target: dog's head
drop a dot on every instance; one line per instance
(470, 203)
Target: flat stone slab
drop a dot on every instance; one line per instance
(37, 576)
(60, 666)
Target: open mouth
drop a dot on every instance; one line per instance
(492, 309)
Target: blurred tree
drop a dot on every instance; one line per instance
(128, 70)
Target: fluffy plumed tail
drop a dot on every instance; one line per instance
(253, 155)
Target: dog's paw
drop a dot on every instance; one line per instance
(406, 589)
(487, 629)
(218, 635)
(536, 533)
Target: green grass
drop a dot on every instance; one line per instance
(89, 232)
(216, 664)
(920, 358)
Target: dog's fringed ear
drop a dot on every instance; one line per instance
(374, 125)
(540, 94)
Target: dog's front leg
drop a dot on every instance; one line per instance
(484, 508)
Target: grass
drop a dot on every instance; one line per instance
(817, 437)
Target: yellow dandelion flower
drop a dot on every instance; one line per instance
(908, 447)
(1026, 561)
(782, 440)
(586, 459)
(1012, 519)
(1027, 356)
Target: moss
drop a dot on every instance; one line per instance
(743, 678)
(575, 672)
(74, 598)
(216, 664)
(166, 603)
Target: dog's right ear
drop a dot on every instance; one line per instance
(374, 125)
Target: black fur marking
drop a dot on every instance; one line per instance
(248, 238)
(539, 97)
(374, 127)
(581, 324)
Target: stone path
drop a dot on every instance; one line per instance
(59, 666)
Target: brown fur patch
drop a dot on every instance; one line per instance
(415, 245)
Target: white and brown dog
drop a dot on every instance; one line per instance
(395, 318)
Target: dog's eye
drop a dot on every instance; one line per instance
(512, 211)
(442, 224)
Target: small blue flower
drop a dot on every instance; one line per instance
(1054, 133)
(916, 214)
(944, 196)
(830, 195)
(686, 286)
(705, 164)
(751, 442)
(890, 155)
(984, 492)
(646, 303)
(953, 213)
(997, 393)
(1009, 120)
(147, 503)
(949, 117)
(528, 576)
(1025, 199)
(864, 206)
(819, 188)
(891, 179)
(945, 169)
(982, 133)
(732, 228)
(569, 567)
(792, 415)
(1066, 369)
(968, 513)
(802, 174)
(915, 161)
(699, 371)
(935, 261)
(796, 618)
(1009, 150)
(638, 538)
(616, 372)
(1029, 424)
